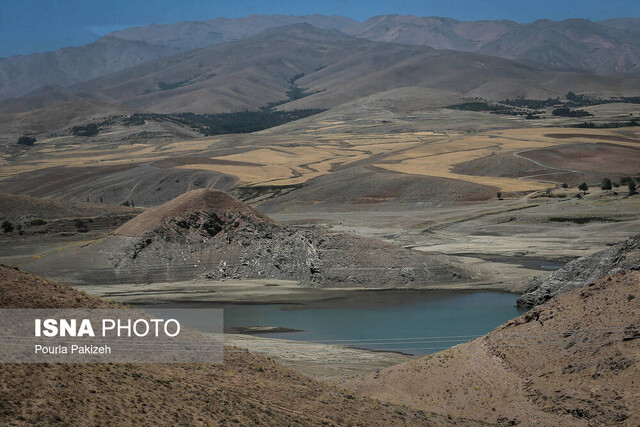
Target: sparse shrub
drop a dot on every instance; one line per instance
(80, 226)
(632, 187)
(583, 187)
(616, 184)
(499, 194)
(36, 222)
(606, 184)
(26, 140)
(134, 120)
(125, 203)
(7, 226)
(578, 196)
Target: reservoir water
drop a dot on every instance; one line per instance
(413, 322)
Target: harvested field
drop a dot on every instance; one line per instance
(153, 172)
(438, 160)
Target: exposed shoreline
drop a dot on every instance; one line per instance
(255, 291)
(327, 362)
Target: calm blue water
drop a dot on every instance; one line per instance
(408, 321)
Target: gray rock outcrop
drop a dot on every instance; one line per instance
(582, 271)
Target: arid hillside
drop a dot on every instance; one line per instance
(23, 216)
(245, 389)
(23, 208)
(22, 74)
(606, 47)
(571, 361)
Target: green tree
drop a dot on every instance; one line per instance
(499, 194)
(583, 187)
(632, 187)
(565, 185)
(91, 129)
(26, 140)
(606, 184)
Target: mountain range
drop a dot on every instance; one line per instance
(116, 51)
(301, 66)
(321, 61)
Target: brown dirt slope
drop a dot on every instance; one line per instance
(214, 202)
(592, 157)
(17, 207)
(572, 361)
(246, 389)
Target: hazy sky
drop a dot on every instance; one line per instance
(28, 26)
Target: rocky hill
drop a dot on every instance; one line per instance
(246, 389)
(582, 271)
(208, 234)
(574, 360)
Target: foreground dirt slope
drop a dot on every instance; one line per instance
(572, 361)
(208, 234)
(246, 389)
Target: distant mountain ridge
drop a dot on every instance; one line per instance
(22, 74)
(604, 48)
(300, 66)
(607, 47)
